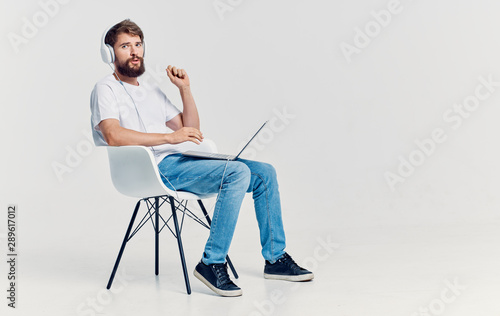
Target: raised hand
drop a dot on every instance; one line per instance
(178, 77)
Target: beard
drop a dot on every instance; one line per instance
(129, 70)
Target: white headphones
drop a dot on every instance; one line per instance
(107, 51)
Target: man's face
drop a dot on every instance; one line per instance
(128, 52)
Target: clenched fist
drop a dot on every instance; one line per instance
(178, 77)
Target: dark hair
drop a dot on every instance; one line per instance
(125, 26)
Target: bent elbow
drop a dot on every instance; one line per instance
(111, 139)
(113, 143)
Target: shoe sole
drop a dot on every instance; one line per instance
(294, 278)
(216, 290)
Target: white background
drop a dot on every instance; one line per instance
(353, 118)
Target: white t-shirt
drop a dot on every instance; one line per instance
(111, 99)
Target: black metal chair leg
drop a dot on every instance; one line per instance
(125, 240)
(157, 236)
(230, 264)
(179, 243)
(209, 221)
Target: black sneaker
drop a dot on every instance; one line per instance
(215, 276)
(286, 269)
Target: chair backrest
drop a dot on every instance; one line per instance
(134, 171)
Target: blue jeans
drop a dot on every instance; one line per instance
(203, 176)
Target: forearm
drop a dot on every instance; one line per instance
(121, 136)
(190, 116)
(116, 135)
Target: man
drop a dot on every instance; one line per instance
(128, 112)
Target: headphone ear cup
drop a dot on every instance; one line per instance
(111, 54)
(107, 52)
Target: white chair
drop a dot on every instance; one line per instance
(134, 173)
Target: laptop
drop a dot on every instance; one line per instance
(201, 154)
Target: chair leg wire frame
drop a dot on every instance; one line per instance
(152, 214)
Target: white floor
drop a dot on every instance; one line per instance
(380, 271)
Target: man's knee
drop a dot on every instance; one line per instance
(266, 170)
(270, 170)
(240, 172)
